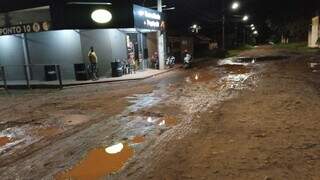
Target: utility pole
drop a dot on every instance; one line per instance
(223, 31)
(161, 42)
(244, 35)
(223, 25)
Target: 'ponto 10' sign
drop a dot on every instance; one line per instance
(145, 18)
(25, 28)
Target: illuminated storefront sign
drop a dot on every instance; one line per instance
(25, 28)
(145, 18)
(80, 15)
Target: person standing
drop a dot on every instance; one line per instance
(93, 58)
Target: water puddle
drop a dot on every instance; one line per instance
(235, 81)
(315, 67)
(11, 137)
(141, 101)
(205, 76)
(236, 69)
(234, 61)
(99, 163)
(168, 121)
(75, 119)
(4, 140)
(138, 139)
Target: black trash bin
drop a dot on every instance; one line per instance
(50, 72)
(81, 72)
(117, 70)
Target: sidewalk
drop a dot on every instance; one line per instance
(139, 75)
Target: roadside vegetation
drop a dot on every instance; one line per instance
(301, 47)
(237, 51)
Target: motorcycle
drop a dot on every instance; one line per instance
(170, 61)
(187, 61)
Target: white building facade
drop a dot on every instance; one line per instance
(314, 33)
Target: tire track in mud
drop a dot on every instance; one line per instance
(196, 97)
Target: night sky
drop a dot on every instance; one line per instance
(207, 13)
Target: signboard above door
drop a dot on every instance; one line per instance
(145, 18)
(25, 28)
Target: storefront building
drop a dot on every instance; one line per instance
(62, 32)
(314, 33)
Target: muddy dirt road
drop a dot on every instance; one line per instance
(226, 119)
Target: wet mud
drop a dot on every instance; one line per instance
(215, 121)
(47, 132)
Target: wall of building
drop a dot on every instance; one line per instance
(12, 55)
(65, 47)
(109, 44)
(152, 44)
(55, 47)
(314, 34)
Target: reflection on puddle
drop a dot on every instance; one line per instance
(196, 77)
(235, 81)
(114, 149)
(151, 120)
(315, 67)
(141, 101)
(12, 137)
(232, 61)
(4, 140)
(201, 77)
(168, 121)
(99, 163)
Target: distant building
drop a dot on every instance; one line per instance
(178, 44)
(314, 32)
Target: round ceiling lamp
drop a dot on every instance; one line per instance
(101, 16)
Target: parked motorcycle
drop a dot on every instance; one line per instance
(187, 60)
(170, 61)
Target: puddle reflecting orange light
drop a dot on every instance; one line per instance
(98, 164)
(138, 139)
(168, 121)
(4, 140)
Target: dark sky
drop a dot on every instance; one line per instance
(208, 12)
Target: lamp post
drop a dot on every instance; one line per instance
(245, 18)
(161, 42)
(234, 6)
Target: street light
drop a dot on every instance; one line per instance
(245, 18)
(235, 5)
(255, 32)
(195, 28)
(169, 9)
(253, 28)
(252, 25)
